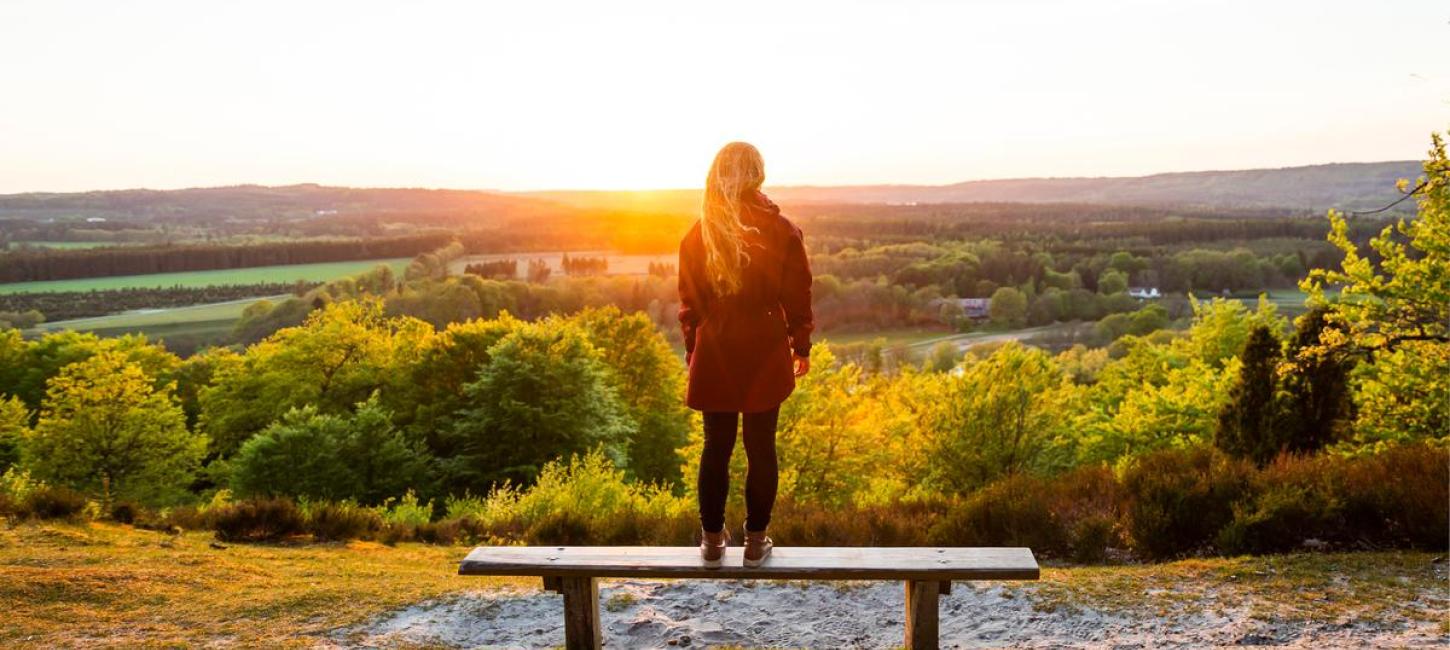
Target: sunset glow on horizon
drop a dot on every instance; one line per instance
(558, 95)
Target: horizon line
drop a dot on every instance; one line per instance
(699, 188)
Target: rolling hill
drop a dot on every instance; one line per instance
(1311, 189)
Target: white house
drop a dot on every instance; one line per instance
(1144, 293)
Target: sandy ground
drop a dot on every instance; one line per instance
(647, 614)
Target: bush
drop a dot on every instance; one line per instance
(1179, 499)
(15, 486)
(1072, 515)
(1289, 501)
(1398, 496)
(813, 524)
(339, 522)
(406, 512)
(184, 518)
(584, 500)
(442, 533)
(125, 512)
(259, 520)
(53, 502)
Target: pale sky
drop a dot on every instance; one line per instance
(525, 95)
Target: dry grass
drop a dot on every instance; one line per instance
(66, 585)
(1307, 587)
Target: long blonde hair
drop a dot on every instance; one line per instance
(735, 176)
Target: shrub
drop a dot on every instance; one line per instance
(442, 533)
(406, 512)
(1398, 496)
(259, 520)
(1179, 499)
(124, 512)
(813, 524)
(308, 454)
(1289, 501)
(53, 502)
(184, 518)
(585, 500)
(15, 485)
(1088, 502)
(338, 522)
(1071, 515)
(1014, 511)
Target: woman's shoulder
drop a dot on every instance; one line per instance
(692, 237)
(768, 212)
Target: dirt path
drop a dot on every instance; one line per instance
(642, 613)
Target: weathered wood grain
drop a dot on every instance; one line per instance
(791, 562)
(921, 614)
(581, 613)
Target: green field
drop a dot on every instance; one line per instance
(321, 272)
(151, 319)
(1289, 301)
(892, 336)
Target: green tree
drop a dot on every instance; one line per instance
(433, 395)
(1250, 425)
(14, 426)
(1008, 307)
(545, 393)
(1316, 384)
(336, 360)
(943, 357)
(1149, 319)
(1393, 313)
(1112, 281)
(44, 358)
(1405, 297)
(650, 380)
(360, 456)
(1000, 416)
(106, 429)
(1127, 263)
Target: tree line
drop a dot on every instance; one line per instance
(40, 265)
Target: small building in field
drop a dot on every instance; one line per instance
(973, 308)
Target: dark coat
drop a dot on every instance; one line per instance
(739, 346)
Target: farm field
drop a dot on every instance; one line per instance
(152, 320)
(320, 272)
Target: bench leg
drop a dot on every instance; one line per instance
(921, 613)
(581, 611)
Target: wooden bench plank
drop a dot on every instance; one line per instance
(788, 563)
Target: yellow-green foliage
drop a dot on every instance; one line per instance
(105, 429)
(1396, 312)
(586, 499)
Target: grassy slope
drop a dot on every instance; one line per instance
(320, 272)
(99, 584)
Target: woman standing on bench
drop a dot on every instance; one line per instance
(745, 308)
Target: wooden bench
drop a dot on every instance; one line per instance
(574, 572)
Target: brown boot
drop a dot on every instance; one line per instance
(757, 548)
(712, 547)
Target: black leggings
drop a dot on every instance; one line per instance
(760, 479)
